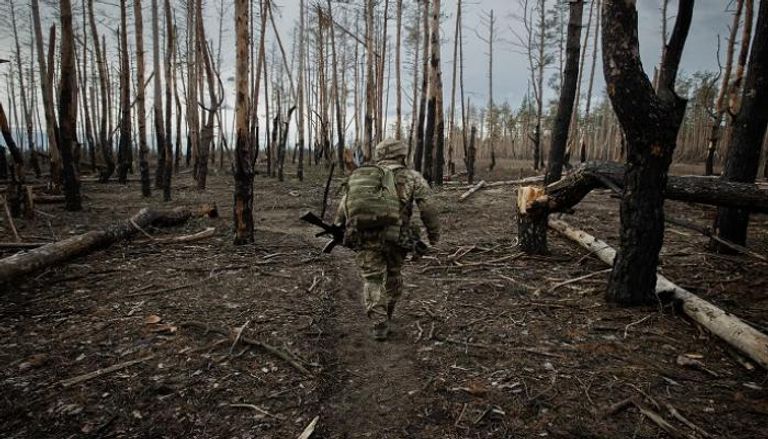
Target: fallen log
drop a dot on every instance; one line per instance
(728, 327)
(56, 253)
(472, 190)
(565, 193)
(562, 195)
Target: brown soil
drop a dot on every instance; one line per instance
(483, 347)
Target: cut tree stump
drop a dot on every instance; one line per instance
(531, 227)
(56, 253)
(728, 327)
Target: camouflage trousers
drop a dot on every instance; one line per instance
(382, 282)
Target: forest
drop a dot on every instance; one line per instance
(600, 174)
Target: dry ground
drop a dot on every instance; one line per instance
(484, 346)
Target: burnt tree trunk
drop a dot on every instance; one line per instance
(167, 146)
(418, 151)
(650, 121)
(124, 150)
(748, 131)
(141, 111)
(567, 94)
(469, 160)
(16, 187)
(68, 110)
(243, 166)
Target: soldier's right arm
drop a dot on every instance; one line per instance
(422, 195)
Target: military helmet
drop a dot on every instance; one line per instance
(389, 149)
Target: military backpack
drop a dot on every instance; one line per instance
(372, 202)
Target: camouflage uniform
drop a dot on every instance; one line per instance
(380, 261)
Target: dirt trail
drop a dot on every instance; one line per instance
(372, 379)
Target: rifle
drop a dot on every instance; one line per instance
(336, 231)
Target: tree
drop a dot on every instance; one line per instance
(157, 97)
(124, 150)
(435, 129)
(141, 111)
(650, 121)
(567, 94)
(243, 206)
(749, 126)
(26, 109)
(105, 138)
(170, 86)
(68, 109)
(51, 126)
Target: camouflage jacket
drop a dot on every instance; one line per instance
(412, 189)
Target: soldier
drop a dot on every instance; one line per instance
(381, 252)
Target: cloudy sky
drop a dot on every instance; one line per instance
(710, 21)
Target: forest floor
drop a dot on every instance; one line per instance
(485, 345)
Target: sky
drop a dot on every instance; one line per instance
(511, 76)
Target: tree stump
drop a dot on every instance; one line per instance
(531, 224)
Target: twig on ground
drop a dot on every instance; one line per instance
(271, 349)
(577, 279)
(100, 372)
(257, 409)
(660, 421)
(626, 328)
(239, 334)
(619, 406)
(10, 219)
(676, 414)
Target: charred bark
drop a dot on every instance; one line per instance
(243, 166)
(650, 121)
(68, 110)
(567, 94)
(748, 131)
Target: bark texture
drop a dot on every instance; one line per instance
(650, 120)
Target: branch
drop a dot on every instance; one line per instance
(673, 51)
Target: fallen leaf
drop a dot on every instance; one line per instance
(152, 319)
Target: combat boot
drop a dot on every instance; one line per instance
(380, 330)
(390, 309)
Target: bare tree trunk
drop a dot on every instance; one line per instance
(141, 112)
(300, 95)
(370, 105)
(193, 115)
(157, 97)
(52, 130)
(104, 139)
(418, 153)
(25, 107)
(452, 122)
(567, 94)
(720, 104)
(170, 84)
(436, 100)
(124, 150)
(491, 108)
(339, 119)
(243, 207)
(398, 73)
(749, 126)
(16, 190)
(651, 121)
(68, 109)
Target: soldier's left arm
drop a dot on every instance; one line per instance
(422, 195)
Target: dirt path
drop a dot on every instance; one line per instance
(372, 379)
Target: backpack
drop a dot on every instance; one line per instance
(372, 202)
